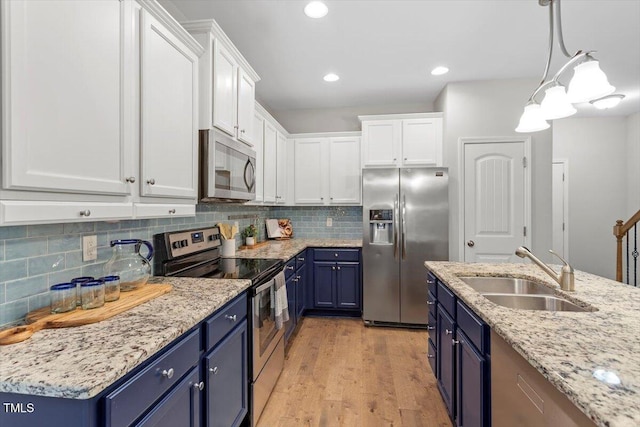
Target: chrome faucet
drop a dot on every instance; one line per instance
(565, 279)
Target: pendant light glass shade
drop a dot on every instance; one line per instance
(608, 101)
(532, 119)
(555, 104)
(588, 82)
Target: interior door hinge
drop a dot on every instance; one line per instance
(563, 177)
(563, 226)
(524, 231)
(524, 162)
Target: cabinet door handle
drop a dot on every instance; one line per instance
(299, 277)
(431, 356)
(448, 332)
(431, 303)
(199, 386)
(430, 282)
(213, 370)
(232, 318)
(172, 211)
(295, 279)
(167, 373)
(335, 255)
(454, 342)
(86, 212)
(338, 267)
(301, 259)
(430, 328)
(151, 181)
(333, 267)
(289, 267)
(131, 179)
(242, 131)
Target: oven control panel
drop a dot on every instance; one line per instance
(188, 242)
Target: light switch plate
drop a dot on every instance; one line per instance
(329, 222)
(89, 248)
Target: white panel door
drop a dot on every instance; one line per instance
(225, 96)
(169, 122)
(65, 98)
(422, 142)
(270, 162)
(381, 143)
(345, 174)
(246, 106)
(258, 145)
(494, 201)
(281, 169)
(559, 210)
(310, 165)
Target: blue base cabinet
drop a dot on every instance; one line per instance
(297, 282)
(337, 281)
(462, 354)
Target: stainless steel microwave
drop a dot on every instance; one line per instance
(227, 169)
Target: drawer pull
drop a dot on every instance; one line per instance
(431, 282)
(430, 328)
(295, 279)
(199, 386)
(168, 373)
(431, 303)
(338, 267)
(85, 213)
(336, 255)
(431, 356)
(229, 317)
(333, 267)
(213, 370)
(172, 211)
(454, 342)
(289, 267)
(301, 259)
(151, 181)
(448, 332)
(299, 277)
(131, 179)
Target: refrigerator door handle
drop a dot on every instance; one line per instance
(396, 202)
(404, 227)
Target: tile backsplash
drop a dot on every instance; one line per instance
(34, 257)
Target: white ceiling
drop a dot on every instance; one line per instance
(384, 50)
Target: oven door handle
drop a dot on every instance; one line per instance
(265, 286)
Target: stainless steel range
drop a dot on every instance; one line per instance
(196, 253)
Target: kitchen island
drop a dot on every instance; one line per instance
(567, 348)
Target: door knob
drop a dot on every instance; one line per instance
(471, 243)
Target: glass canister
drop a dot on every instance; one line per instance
(92, 293)
(78, 281)
(111, 288)
(127, 262)
(63, 297)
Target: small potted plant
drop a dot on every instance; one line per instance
(249, 233)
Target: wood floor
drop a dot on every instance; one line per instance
(340, 373)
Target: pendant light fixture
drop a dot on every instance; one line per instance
(589, 82)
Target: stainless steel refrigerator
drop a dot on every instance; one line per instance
(405, 223)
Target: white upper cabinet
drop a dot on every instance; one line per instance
(227, 82)
(246, 106)
(169, 123)
(281, 169)
(327, 170)
(65, 100)
(270, 162)
(258, 145)
(402, 140)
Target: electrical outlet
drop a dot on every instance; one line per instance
(329, 222)
(89, 248)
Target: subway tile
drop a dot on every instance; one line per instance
(44, 230)
(14, 232)
(25, 248)
(13, 311)
(164, 221)
(95, 270)
(79, 227)
(13, 270)
(108, 226)
(73, 259)
(177, 220)
(39, 300)
(64, 276)
(102, 239)
(46, 264)
(129, 224)
(1, 250)
(64, 243)
(25, 287)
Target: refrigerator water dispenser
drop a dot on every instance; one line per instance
(381, 226)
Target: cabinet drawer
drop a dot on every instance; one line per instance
(447, 300)
(289, 268)
(431, 356)
(301, 259)
(474, 328)
(148, 210)
(431, 303)
(226, 319)
(336, 254)
(133, 398)
(432, 284)
(28, 212)
(432, 327)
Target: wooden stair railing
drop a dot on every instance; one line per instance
(620, 230)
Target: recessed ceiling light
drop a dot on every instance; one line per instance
(331, 77)
(608, 101)
(438, 71)
(316, 9)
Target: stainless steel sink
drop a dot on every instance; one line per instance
(506, 285)
(533, 302)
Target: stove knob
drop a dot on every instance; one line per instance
(185, 243)
(175, 245)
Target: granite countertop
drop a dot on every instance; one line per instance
(80, 362)
(568, 347)
(285, 249)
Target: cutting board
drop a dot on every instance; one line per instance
(256, 246)
(43, 319)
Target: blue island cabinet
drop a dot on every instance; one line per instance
(337, 281)
(461, 354)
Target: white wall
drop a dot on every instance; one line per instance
(492, 109)
(633, 164)
(596, 148)
(338, 119)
